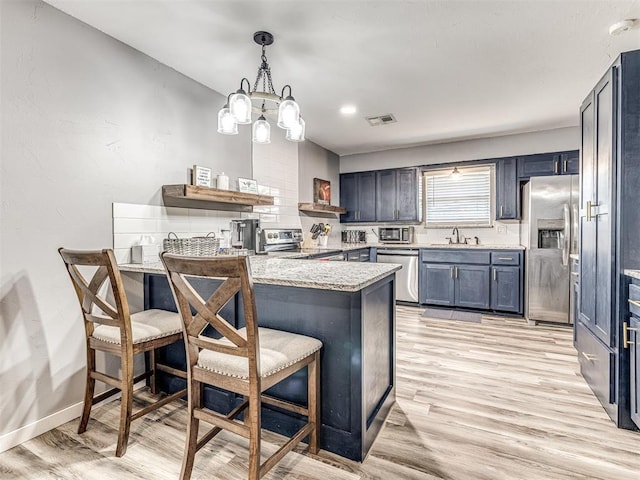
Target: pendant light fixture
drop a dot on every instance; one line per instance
(240, 105)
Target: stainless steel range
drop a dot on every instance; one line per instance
(280, 239)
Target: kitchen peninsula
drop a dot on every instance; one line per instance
(348, 306)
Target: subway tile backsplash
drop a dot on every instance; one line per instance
(131, 222)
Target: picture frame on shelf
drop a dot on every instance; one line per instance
(247, 185)
(201, 176)
(321, 191)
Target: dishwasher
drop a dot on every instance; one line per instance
(407, 278)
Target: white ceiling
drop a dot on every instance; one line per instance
(447, 69)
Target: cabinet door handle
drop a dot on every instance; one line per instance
(589, 217)
(564, 166)
(591, 358)
(625, 334)
(495, 275)
(634, 303)
(555, 167)
(451, 271)
(500, 211)
(456, 271)
(505, 258)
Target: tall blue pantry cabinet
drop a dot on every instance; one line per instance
(609, 232)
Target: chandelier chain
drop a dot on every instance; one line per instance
(264, 73)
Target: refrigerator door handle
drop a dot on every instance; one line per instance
(566, 244)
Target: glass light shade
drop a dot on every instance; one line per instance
(296, 133)
(240, 107)
(226, 123)
(261, 131)
(288, 113)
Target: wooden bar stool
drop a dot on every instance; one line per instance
(112, 329)
(246, 361)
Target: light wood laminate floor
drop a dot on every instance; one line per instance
(496, 400)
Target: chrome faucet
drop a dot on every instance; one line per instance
(457, 234)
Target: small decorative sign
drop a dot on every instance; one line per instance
(247, 185)
(321, 191)
(201, 176)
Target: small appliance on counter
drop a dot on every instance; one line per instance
(354, 236)
(396, 234)
(246, 234)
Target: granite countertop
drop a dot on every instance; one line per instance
(632, 273)
(323, 275)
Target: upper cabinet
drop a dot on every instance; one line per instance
(507, 190)
(358, 196)
(380, 196)
(397, 195)
(539, 165)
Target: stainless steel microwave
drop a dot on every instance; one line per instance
(395, 234)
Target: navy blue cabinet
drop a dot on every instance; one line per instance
(472, 278)
(358, 196)
(630, 337)
(436, 285)
(609, 240)
(472, 288)
(506, 289)
(361, 255)
(397, 195)
(538, 165)
(507, 190)
(380, 196)
(543, 164)
(570, 162)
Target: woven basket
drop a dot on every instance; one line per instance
(194, 247)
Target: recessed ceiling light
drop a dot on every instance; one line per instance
(621, 27)
(348, 109)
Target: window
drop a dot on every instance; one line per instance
(458, 200)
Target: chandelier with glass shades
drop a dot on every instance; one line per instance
(241, 104)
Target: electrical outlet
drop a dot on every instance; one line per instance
(502, 229)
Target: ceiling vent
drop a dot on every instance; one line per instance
(381, 120)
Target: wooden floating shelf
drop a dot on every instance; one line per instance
(320, 208)
(190, 196)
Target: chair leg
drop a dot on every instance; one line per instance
(191, 444)
(314, 403)
(152, 366)
(89, 388)
(254, 424)
(126, 406)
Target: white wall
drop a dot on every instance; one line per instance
(316, 162)
(484, 148)
(86, 122)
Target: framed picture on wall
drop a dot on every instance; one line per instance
(201, 176)
(321, 191)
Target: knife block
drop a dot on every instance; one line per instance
(309, 242)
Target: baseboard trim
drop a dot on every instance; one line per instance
(11, 439)
(23, 434)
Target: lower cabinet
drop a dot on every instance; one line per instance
(630, 338)
(472, 278)
(361, 255)
(505, 289)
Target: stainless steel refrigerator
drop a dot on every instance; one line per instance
(549, 231)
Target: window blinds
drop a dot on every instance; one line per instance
(458, 200)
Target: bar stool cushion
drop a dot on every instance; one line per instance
(145, 326)
(278, 350)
